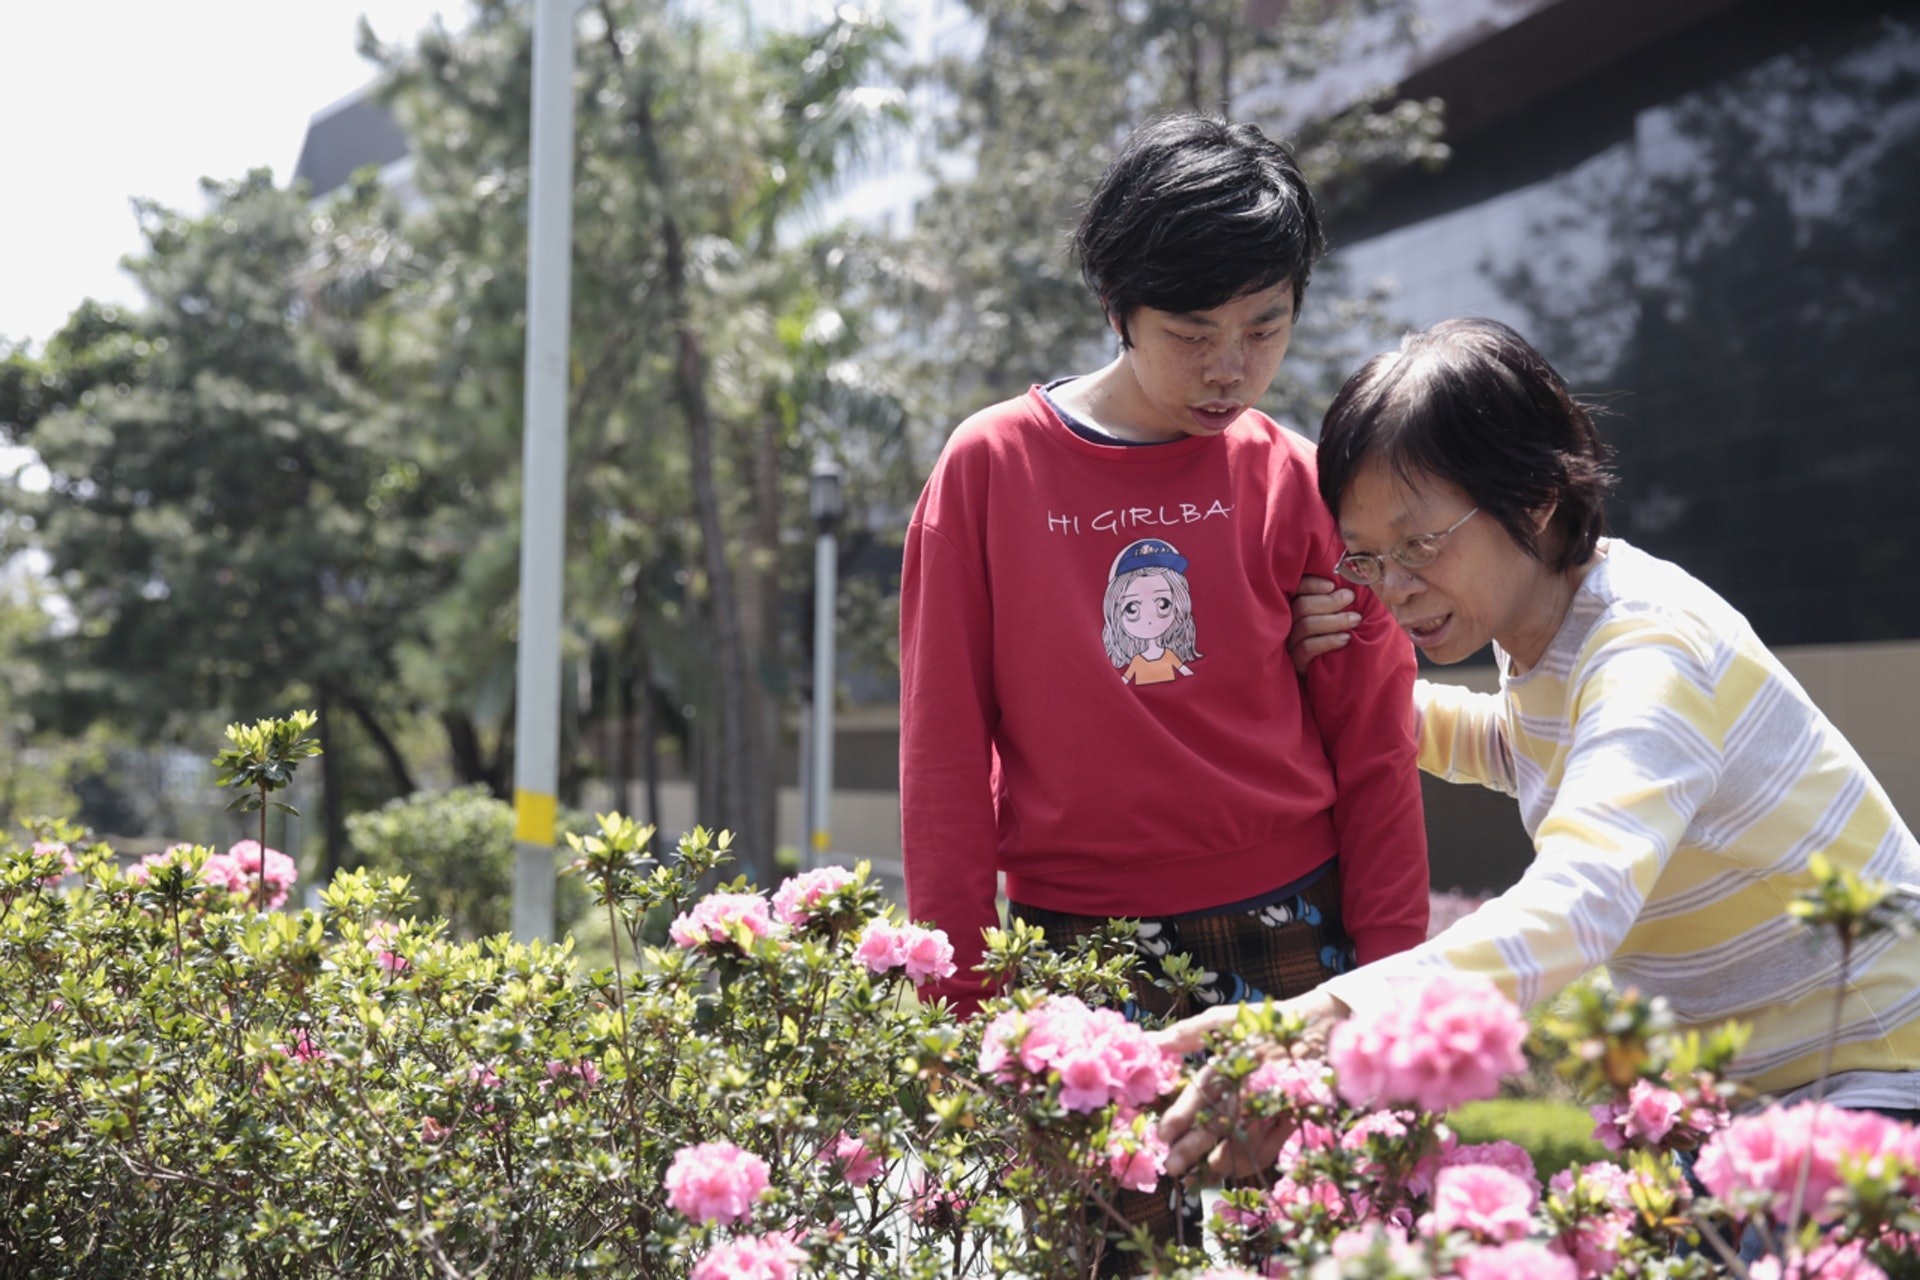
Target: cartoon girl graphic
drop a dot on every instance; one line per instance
(1149, 611)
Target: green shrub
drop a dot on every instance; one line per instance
(1558, 1135)
(456, 849)
(194, 1090)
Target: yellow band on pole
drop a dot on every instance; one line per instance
(821, 842)
(534, 817)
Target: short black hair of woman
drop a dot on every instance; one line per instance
(1473, 403)
(1193, 213)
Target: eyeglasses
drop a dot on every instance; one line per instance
(1367, 568)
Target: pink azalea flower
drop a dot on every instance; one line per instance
(922, 953)
(432, 1130)
(1291, 1199)
(714, 918)
(1499, 1155)
(1236, 1217)
(1647, 1116)
(774, 1256)
(1446, 1041)
(583, 1074)
(932, 1205)
(1302, 1081)
(858, 1163)
(1391, 1126)
(715, 1182)
(299, 1047)
(55, 849)
(481, 1075)
(1387, 1240)
(380, 942)
(1754, 1163)
(244, 872)
(795, 900)
(142, 871)
(929, 955)
(1488, 1203)
(1136, 1156)
(1609, 1179)
(1516, 1262)
(1594, 1243)
(1825, 1261)
(1095, 1056)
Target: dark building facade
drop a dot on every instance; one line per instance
(1708, 216)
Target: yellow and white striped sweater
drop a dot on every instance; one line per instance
(1675, 780)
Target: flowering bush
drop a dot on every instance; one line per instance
(192, 1087)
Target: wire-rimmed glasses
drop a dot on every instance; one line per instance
(1367, 568)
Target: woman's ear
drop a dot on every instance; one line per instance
(1542, 517)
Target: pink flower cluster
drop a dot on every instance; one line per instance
(55, 849)
(1445, 1041)
(1825, 1261)
(715, 918)
(923, 953)
(1654, 1118)
(774, 1256)
(858, 1163)
(300, 1047)
(1754, 1164)
(1485, 1201)
(238, 870)
(1517, 1260)
(1136, 1154)
(795, 901)
(1095, 1056)
(1303, 1082)
(1597, 1232)
(380, 941)
(716, 1182)
(581, 1075)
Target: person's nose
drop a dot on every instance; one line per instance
(1226, 365)
(1398, 584)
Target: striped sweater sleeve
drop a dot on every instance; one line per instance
(1635, 753)
(1461, 736)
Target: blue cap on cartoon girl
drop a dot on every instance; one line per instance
(1148, 553)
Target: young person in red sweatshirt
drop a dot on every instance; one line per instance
(1096, 695)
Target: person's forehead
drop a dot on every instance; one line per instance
(1406, 504)
(1266, 305)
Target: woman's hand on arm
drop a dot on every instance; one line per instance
(1322, 620)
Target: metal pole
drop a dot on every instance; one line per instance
(804, 845)
(825, 590)
(536, 764)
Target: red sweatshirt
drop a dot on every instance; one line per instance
(1096, 696)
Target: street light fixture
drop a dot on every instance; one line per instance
(827, 503)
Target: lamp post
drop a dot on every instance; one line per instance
(827, 503)
(536, 759)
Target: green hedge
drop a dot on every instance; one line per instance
(1557, 1135)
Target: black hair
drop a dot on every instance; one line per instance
(1193, 213)
(1473, 403)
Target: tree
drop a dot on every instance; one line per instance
(696, 339)
(226, 514)
(1038, 109)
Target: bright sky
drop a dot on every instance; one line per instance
(107, 99)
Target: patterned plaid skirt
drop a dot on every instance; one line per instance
(1280, 946)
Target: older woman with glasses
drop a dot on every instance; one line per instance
(1675, 779)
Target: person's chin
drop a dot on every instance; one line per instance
(1442, 640)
